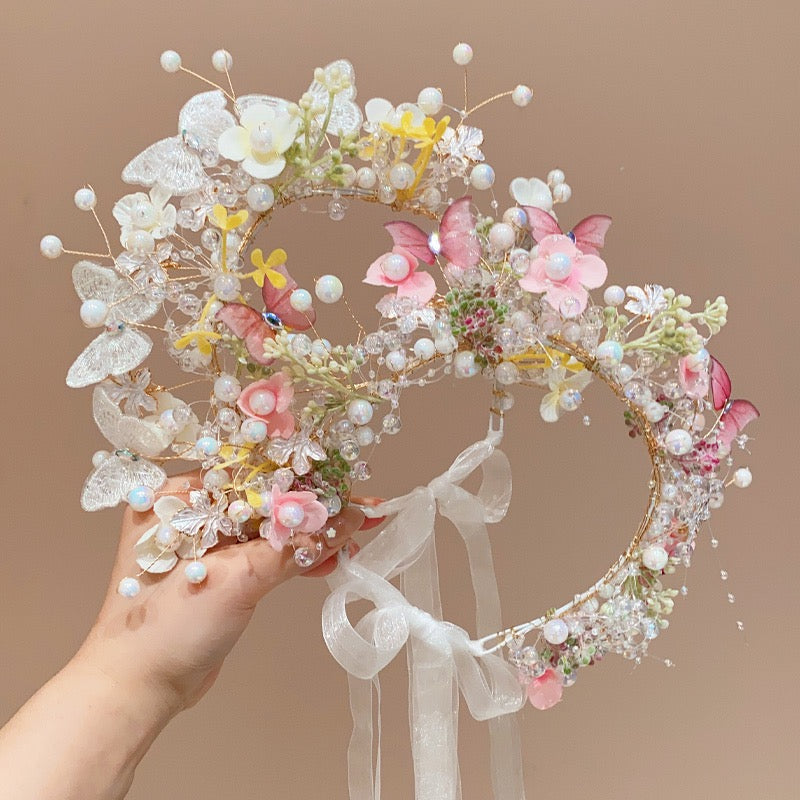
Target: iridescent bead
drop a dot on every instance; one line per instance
(129, 587)
(195, 572)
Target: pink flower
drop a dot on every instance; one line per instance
(268, 400)
(693, 374)
(546, 690)
(564, 273)
(398, 269)
(298, 512)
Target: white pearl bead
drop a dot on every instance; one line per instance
(93, 313)
(743, 477)
(678, 442)
(329, 289)
(506, 373)
(240, 511)
(609, 352)
(614, 295)
(227, 286)
(562, 192)
(464, 365)
(402, 176)
(254, 430)
(655, 558)
(462, 54)
(260, 197)
(424, 348)
(140, 242)
(129, 587)
(366, 177)
(290, 514)
(300, 300)
(430, 101)
(85, 199)
(359, 411)
(51, 246)
(207, 445)
(141, 498)
(522, 95)
(263, 401)
(222, 61)
(431, 197)
(227, 388)
(482, 176)
(555, 176)
(395, 267)
(98, 457)
(195, 572)
(502, 236)
(515, 216)
(624, 373)
(558, 266)
(215, 479)
(396, 360)
(555, 631)
(170, 61)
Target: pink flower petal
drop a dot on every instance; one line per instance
(558, 293)
(592, 271)
(557, 243)
(279, 424)
(544, 692)
(418, 284)
(535, 280)
(375, 273)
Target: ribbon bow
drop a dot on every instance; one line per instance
(441, 656)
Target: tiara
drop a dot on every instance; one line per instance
(290, 419)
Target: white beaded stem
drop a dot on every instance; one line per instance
(496, 641)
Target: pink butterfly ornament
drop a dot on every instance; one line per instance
(737, 414)
(253, 328)
(589, 234)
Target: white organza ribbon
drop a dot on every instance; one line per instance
(442, 659)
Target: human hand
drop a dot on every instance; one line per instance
(173, 636)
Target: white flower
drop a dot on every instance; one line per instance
(550, 407)
(648, 301)
(160, 547)
(462, 142)
(532, 192)
(140, 212)
(264, 135)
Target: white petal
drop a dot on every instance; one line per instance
(234, 143)
(159, 196)
(264, 169)
(284, 132)
(255, 115)
(580, 380)
(532, 192)
(151, 557)
(549, 407)
(167, 507)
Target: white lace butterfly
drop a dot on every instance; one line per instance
(126, 468)
(119, 348)
(346, 116)
(171, 162)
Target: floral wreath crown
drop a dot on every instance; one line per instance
(290, 418)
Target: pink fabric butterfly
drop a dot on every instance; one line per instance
(737, 414)
(253, 328)
(456, 240)
(589, 234)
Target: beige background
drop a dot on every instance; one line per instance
(680, 120)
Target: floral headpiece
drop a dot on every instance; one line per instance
(290, 419)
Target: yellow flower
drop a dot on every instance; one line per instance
(202, 340)
(265, 269)
(219, 216)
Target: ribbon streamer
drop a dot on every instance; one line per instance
(442, 658)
